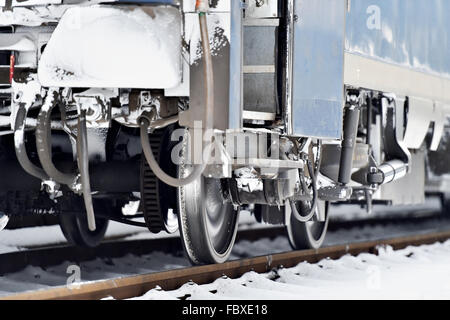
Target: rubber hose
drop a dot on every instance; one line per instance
(209, 116)
(311, 212)
(21, 151)
(43, 142)
(83, 166)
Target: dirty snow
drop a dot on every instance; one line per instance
(218, 30)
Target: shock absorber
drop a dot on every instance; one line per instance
(351, 122)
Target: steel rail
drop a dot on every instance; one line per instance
(116, 247)
(45, 257)
(133, 286)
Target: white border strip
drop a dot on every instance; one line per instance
(256, 115)
(368, 73)
(259, 69)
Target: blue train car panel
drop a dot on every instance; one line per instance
(408, 33)
(318, 68)
(399, 46)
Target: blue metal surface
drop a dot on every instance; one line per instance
(318, 88)
(410, 33)
(235, 109)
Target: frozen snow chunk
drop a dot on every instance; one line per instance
(114, 47)
(16, 42)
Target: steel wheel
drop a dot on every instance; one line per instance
(208, 223)
(445, 205)
(311, 234)
(76, 231)
(4, 219)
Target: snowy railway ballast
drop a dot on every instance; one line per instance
(183, 112)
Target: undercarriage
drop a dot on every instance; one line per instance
(200, 122)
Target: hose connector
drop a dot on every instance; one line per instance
(202, 6)
(147, 117)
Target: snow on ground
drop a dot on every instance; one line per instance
(412, 273)
(351, 212)
(21, 239)
(32, 277)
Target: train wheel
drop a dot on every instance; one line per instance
(4, 219)
(76, 230)
(445, 205)
(310, 234)
(208, 223)
(77, 233)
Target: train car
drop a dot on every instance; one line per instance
(198, 109)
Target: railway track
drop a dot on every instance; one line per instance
(54, 255)
(128, 287)
(132, 286)
(47, 256)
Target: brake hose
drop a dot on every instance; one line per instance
(43, 142)
(145, 122)
(314, 175)
(312, 208)
(83, 166)
(19, 143)
(44, 149)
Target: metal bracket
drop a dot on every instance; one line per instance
(394, 148)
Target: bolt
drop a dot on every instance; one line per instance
(259, 3)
